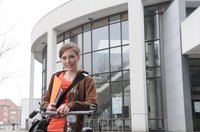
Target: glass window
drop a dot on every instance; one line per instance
(125, 34)
(87, 42)
(124, 16)
(125, 54)
(197, 106)
(127, 102)
(100, 61)
(58, 46)
(80, 65)
(77, 40)
(153, 72)
(44, 63)
(100, 38)
(100, 23)
(116, 89)
(115, 59)
(67, 40)
(76, 31)
(151, 27)
(116, 76)
(126, 75)
(60, 38)
(66, 35)
(87, 62)
(43, 79)
(115, 38)
(115, 18)
(103, 91)
(102, 77)
(59, 66)
(87, 27)
(152, 53)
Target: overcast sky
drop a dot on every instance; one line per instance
(23, 15)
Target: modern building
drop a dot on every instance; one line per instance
(25, 121)
(143, 55)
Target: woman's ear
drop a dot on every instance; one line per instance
(79, 57)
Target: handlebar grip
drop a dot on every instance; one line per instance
(48, 112)
(33, 114)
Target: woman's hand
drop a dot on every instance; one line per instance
(63, 109)
(51, 107)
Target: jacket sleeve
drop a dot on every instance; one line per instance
(89, 95)
(47, 96)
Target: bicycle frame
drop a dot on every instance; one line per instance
(70, 117)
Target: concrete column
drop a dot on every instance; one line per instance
(139, 113)
(51, 53)
(176, 75)
(31, 92)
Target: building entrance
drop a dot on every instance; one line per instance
(194, 69)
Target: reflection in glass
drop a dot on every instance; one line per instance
(116, 88)
(117, 100)
(77, 40)
(87, 62)
(87, 42)
(115, 58)
(80, 66)
(153, 72)
(126, 75)
(87, 27)
(152, 53)
(103, 91)
(102, 77)
(116, 76)
(115, 18)
(125, 55)
(100, 61)
(115, 39)
(100, 38)
(58, 46)
(125, 34)
(59, 66)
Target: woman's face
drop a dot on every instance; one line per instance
(70, 60)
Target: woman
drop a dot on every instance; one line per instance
(80, 97)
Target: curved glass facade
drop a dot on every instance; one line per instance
(104, 45)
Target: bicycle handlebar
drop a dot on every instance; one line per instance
(34, 113)
(70, 113)
(43, 111)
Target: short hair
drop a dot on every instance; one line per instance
(69, 45)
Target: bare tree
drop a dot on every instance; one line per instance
(5, 47)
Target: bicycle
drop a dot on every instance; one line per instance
(40, 125)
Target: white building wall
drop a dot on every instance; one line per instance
(139, 115)
(190, 30)
(173, 73)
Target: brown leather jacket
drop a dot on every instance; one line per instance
(84, 96)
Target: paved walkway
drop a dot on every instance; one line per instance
(13, 130)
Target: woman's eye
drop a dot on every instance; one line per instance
(72, 56)
(64, 58)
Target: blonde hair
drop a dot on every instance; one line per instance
(69, 45)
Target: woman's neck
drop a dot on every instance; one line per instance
(70, 75)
